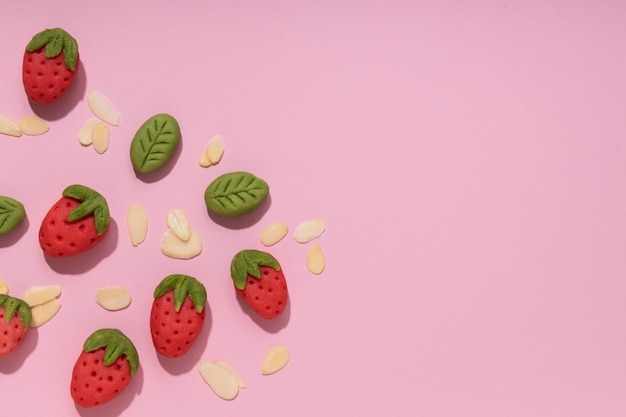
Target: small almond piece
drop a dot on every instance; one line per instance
(178, 223)
(275, 360)
(315, 259)
(33, 125)
(176, 248)
(113, 297)
(215, 149)
(100, 137)
(42, 313)
(232, 371)
(309, 230)
(220, 380)
(35, 296)
(9, 127)
(85, 134)
(4, 288)
(204, 160)
(274, 233)
(102, 108)
(137, 222)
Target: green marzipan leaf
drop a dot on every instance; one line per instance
(235, 193)
(93, 203)
(16, 306)
(116, 345)
(183, 286)
(154, 143)
(56, 41)
(248, 263)
(11, 214)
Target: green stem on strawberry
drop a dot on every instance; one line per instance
(248, 263)
(183, 286)
(93, 203)
(116, 345)
(56, 41)
(14, 306)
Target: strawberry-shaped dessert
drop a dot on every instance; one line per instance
(104, 368)
(177, 315)
(15, 316)
(50, 65)
(76, 223)
(260, 281)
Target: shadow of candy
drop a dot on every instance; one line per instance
(13, 361)
(15, 235)
(269, 325)
(245, 221)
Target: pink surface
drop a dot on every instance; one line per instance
(469, 161)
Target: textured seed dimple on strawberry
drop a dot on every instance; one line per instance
(260, 281)
(104, 368)
(15, 317)
(50, 65)
(76, 223)
(177, 315)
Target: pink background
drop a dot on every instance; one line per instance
(468, 158)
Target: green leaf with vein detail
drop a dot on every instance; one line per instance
(92, 203)
(11, 214)
(235, 193)
(56, 41)
(154, 143)
(116, 345)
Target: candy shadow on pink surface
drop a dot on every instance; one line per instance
(86, 261)
(119, 404)
(67, 102)
(189, 360)
(159, 174)
(14, 360)
(272, 325)
(245, 221)
(15, 235)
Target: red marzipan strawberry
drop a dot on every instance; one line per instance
(260, 281)
(76, 223)
(177, 315)
(104, 368)
(15, 316)
(50, 65)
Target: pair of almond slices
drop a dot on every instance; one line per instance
(97, 132)
(43, 302)
(30, 125)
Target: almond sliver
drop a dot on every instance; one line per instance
(4, 288)
(178, 223)
(274, 233)
(85, 134)
(100, 137)
(309, 230)
(215, 149)
(102, 108)
(33, 125)
(315, 259)
(137, 223)
(35, 296)
(9, 127)
(113, 297)
(232, 371)
(275, 360)
(43, 313)
(221, 382)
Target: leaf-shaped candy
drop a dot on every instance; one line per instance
(154, 143)
(235, 193)
(11, 214)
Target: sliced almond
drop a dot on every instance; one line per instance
(178, 223)
(9, 127)
(215, 149)
(85, 134)
(35, 296)
(176, 248)
(4, 288)
(275, 360)
(204, 160)
(221, 382)
(43, 313)
(232, 371)
(274, 233)
(113, 297)
(137, 223)
(100, 137)
(33, 125)
(102, 108)
(315, 259)
(309, 230)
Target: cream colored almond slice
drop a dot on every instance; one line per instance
(40, 295)
(232, 371)
(215, 149)
(100, 137)
(33, 125)
(9, 127)
(204, 160)
(178, 223)
(85, 137)
(275, 360)
(175, 248)
(113, 297)
(309, 230)
(220, 380)
(274, 233)
(4, 288)
(137, 223)
(315, 259)
(43, 313)
(102, 108)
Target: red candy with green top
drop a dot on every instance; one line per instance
(15, 317)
